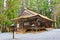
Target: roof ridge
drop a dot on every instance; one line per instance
(32, 12)
(39, 14)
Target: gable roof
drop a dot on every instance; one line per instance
(28, 13)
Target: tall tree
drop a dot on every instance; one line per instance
(56, 13)
(11, 10)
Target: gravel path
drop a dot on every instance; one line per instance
(47, 35)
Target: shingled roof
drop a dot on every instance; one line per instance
(28, 13)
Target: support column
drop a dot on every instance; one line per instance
(36, 25)
(36, 30)
(22, 27)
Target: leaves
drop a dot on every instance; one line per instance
(14, 7)
(10, 12)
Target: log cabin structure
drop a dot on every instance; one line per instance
(29, 20)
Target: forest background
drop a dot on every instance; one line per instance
(10, 9)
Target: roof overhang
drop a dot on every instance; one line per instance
(24, 16)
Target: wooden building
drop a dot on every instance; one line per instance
(29, 20)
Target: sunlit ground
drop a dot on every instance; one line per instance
(47, 35)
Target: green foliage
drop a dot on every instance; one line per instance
(57, 12)
(9, 13)
(14, 7)
(39, 6)
(1, 5)
(3, 30)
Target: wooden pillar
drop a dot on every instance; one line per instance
(36, 25)
(17, 26)
(36, 30)
(22, 27)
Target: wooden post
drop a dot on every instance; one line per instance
(36, 30)
(22, 26)
(18, 25)
(36, 25)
